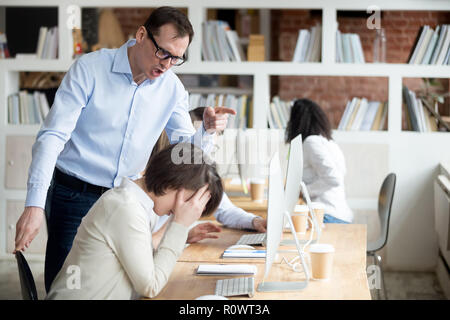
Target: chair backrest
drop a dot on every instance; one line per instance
(385, 199)
(26, 278)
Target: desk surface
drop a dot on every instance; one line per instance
(349, 280)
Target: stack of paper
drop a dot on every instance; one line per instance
(244, 254)
(226, 269)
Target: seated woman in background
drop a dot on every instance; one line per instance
(323, 161)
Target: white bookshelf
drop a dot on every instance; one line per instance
(413, 156)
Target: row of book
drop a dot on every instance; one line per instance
(309, 44)
(349, 48)
(279, 113)
(4, 52)
(220, 43)
(47, 46)
(432, 46)
(27, 108)
(363, 115)
(418, 118)
(242, 104)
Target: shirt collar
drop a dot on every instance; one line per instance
(141, 195)
(121, 63)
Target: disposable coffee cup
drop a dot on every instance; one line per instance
(319, 211)
(321, 261)
(257, 189)
(300, 218)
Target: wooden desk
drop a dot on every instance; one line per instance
(349, 280)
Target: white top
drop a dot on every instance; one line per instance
(113, 250)
(323, 173)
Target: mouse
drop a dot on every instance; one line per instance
(240, 246)
(211, 297)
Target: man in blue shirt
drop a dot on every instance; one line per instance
(107, 115)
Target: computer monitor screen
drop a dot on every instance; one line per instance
(294, 174)
(275, 212)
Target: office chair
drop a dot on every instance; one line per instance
(27, 284)
(385, 198)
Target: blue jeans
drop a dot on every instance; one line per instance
(64, 210)
(327, 218)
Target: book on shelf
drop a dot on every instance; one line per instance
(360, 114)
(47, 45)
(309, 44)
(241, 103)
(4, 51)
(432, 46)
(279, 113)
(418, 116)
(220, 43)
(349, 48)
(27, 108)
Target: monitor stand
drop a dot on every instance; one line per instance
(288, 285)
(289, 242)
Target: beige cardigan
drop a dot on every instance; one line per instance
(112, 255)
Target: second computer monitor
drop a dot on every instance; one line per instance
(275, 212)
(294, 174)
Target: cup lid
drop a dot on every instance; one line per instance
(321, 248)
(301, 208)
(317, 205)
(257, 180)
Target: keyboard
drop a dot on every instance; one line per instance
(255, 239)
(236, 287)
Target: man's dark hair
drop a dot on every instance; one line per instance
(307, 119)
(164, 15)
(165, 171)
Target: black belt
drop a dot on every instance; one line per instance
(77, 184)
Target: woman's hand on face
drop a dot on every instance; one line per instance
(186, 212)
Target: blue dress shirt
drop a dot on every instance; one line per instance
(102, 126)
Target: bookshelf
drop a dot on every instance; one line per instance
(386, 151)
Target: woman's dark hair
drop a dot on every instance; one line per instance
(307, 119)
(164, 15)
(183, 165)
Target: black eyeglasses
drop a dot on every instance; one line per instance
(162, 54)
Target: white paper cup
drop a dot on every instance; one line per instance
(321, 261)
(299, 218)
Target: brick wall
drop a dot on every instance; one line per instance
(332, 93)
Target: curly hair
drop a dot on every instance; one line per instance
(307, 119)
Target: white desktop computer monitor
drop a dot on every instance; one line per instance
(294, 173)
(294, 184)
(275, 209)
(276, 212)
